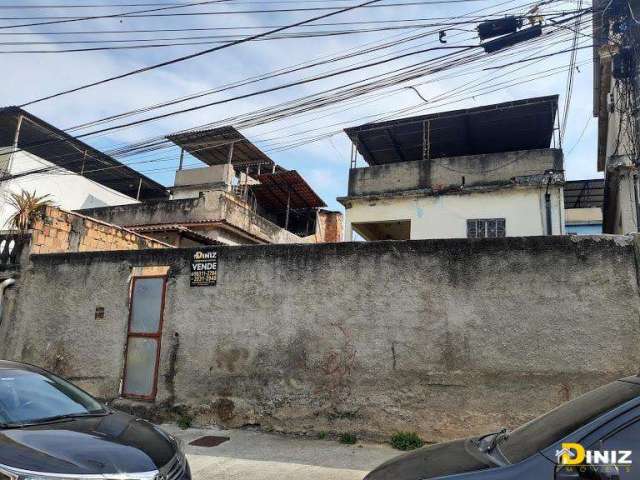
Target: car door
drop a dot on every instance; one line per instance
(619, 433)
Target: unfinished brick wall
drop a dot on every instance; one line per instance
(59, 231)
(330, 227)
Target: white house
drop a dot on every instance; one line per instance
(36, 156)
(481, 172)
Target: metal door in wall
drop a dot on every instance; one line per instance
(142, 354)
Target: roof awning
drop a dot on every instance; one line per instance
(177, 228)
(56, 146)
(584, 193)
(277, 190)
(506, 127)
(214, 146)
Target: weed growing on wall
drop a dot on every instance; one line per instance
(406, 441)
(348, 438)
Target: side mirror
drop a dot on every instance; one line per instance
(587, 472)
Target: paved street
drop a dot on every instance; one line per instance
(254, 455)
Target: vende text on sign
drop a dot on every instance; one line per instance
(204, 268)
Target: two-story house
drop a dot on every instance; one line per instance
(490, 171)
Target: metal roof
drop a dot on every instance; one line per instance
(212, 147)
(505, 127)
(54, 145)
(276, 190)
(584, 193)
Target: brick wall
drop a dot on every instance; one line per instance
(330, 226)
(59, 231)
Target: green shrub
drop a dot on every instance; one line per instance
(185, 421)
(348, 438)
(406, 441)
(322, 435)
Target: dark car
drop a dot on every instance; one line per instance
(603, 428)
(52, 430)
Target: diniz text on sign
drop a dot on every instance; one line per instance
(204, 268)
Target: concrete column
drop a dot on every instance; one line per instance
(626, 205)
(348, 231)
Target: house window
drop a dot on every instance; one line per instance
(143, 338)
(486, 228)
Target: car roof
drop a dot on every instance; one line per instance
(6, 364)
(634, 379)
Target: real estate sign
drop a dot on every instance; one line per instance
(204, 268)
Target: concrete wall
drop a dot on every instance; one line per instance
(58, 231)
(68, 191)
(449, 338)
(217, 208)
(191, 182)
(444, 172)
(446, 216)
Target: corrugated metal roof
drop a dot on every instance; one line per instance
(212, 147)
(584, 193)
(42, 139)
(505, 127)
(275, 190)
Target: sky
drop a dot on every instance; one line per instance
(325, 162)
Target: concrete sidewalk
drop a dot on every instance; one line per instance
(255, 455)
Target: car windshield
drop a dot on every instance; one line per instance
(544, 431)
(32, 397)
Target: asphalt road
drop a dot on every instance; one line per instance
(252, 455)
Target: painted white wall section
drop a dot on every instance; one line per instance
(446, 216)
(67, 189)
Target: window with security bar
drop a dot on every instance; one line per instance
(486, 228)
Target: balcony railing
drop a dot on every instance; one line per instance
(11, 246)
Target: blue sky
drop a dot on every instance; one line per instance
(324, 163)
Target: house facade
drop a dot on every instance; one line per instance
(484, 172)
(37, 157)
(240, 196)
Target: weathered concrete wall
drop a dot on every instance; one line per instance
(444, 172)
(191, 182)
(58, 231)
(215, 207)
(448, 338)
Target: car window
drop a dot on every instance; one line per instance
(627, 439)
(27, 396)
(567, 418)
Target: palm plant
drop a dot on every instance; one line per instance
(27, 206)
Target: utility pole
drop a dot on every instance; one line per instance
(618, 49)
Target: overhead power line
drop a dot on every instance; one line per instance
(148, 13)
(198, 54)
(570, 77)
(438, 21)
(115, 15)
(332, 97)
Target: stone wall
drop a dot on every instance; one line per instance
(58, 231)
(446, 337)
